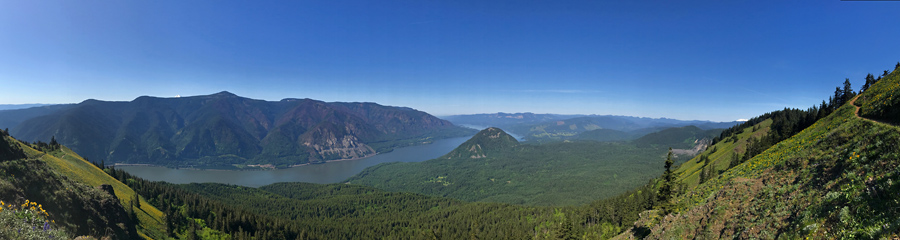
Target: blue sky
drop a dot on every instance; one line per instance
(706, 60)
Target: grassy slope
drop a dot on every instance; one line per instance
(836, 179)
(689, 172)
(68, 163)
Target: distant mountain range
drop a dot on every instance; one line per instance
(554, 127)
(20, 106)
(223, 129)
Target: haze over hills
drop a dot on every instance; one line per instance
(223, 129)
(625, 128)
(518, 121)
(21, 106)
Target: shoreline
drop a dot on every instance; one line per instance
(335, 160)
(256, 167)
(270, 167)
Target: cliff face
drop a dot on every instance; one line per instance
(224, 129)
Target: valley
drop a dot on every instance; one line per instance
(811, 172)
(428, 120)
(331, 172)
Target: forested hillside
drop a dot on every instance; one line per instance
(224, 130)
(493, 167)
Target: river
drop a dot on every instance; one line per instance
(331, 172)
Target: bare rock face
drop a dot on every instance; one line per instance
(344, 147)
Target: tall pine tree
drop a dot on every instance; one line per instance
(665, 191)
(869, 81)
(847, 93)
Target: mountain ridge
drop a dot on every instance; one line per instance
(223, 129)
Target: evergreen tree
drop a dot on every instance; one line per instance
(836, 100)
(53, 143)
(665, 191)
(869, 81)
(137, 200)
(847, 92)
(735, 160)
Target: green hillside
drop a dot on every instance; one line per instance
(718, 157)
(605, 135)
(677, 137)
(69, 164)
(489, 169)
(67, 197)
(835, 179)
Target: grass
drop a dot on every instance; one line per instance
(68, 163)
(689, 172)
(835, 179)
(882, 100)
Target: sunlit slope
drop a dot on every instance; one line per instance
(720, 154)
(836, 179)
(881, 102)
(75, 167)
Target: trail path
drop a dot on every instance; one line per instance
(856, 113)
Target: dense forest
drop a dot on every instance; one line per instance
(342, 211)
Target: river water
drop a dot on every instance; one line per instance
(331, 172)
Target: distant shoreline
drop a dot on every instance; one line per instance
(257, 167)
(268, 167)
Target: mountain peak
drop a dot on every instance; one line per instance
(224, 94)
(487, 141)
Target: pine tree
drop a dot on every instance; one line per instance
(665, 191)
(735, 160)
(53, 143)
(847, 92)
(869, 81)
(137, 200)
(836, 100)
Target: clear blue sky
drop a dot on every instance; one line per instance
(707, 60)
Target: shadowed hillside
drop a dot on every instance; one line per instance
(224, 130)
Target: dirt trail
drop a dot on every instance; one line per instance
(856, 113)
